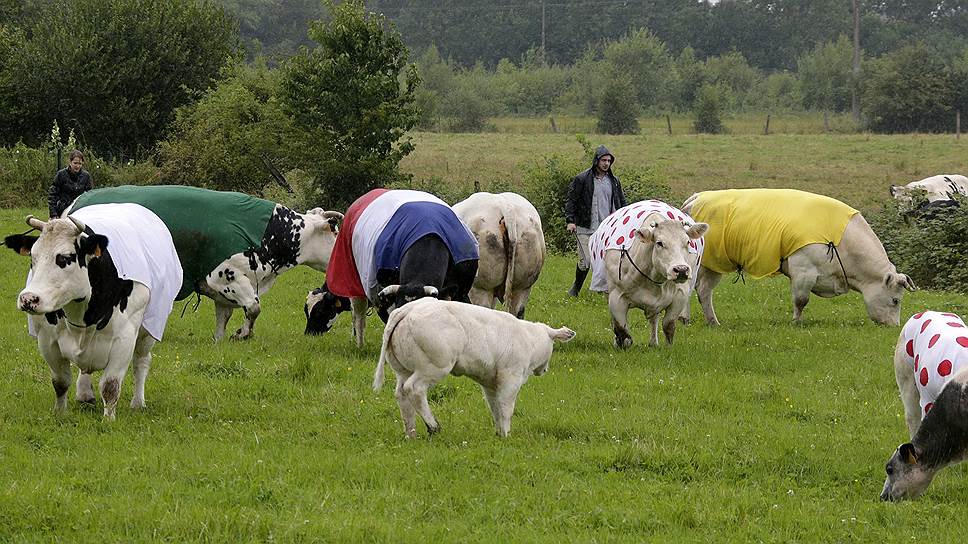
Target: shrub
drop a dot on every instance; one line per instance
(908, 90)
(618, 110)
(707, 110)
(931, 248)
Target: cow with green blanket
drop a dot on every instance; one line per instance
(231, 246)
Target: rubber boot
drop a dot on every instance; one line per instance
(579, 280)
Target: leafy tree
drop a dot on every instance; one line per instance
(219, 142)
(644, 59)
(692, 74)
(618, 109)
(348, 105)
(825, 75)
(731, 72)
(112, 70)
(708, 110)
(908, 90)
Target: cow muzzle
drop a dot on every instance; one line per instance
(680, 273)
(28, 302)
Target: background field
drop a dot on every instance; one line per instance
(758, 430)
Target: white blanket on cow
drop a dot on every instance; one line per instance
(936, 347)
(618, 230)
(143, 251)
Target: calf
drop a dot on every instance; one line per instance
(512, 248)
(408, 239)
(94, 309)
(427, 339)
(931, 368)
(232, 246)
(645, 256)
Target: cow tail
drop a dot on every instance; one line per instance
(510, 249)
(395, 318)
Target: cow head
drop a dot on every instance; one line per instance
(907, 477)
(395, 296)
(909, 199)
(317, 240)
(883, 299)
(668, 242)
(321, 309)
(58, 261)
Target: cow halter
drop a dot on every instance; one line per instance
(625, 255)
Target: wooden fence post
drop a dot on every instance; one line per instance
(766, 129)
(957, 124)
(669, 124)
(554, 127)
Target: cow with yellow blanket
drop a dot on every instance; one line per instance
(824, 246)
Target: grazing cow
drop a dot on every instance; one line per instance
(512, 248)
(232, 246)
(935, 188)
(824, 246)
(645, 256)
(396, 246)
(931, 367)
(96, 307)
(428, 339)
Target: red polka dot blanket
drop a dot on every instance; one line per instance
(618, 230)
(936, 347)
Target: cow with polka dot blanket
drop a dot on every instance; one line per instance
(931, 367)
(645, 256)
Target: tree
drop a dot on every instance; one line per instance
(348, 104)
(909, 90)
(826, 76)
(618, 109)
(114, 71)
(708, 109)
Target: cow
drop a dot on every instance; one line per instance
(395, 246)
(232, 246)
(931, 368)
(512, 248)
(96, 307)
(645, 256)
(942, 187)
(824, 246)
(428, 339)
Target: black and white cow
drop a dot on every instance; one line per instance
(396, 246)
(83, 312)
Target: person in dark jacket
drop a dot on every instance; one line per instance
(592, 196)
(69, 183)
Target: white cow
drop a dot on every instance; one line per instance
(94, 309)
(940, 187)
(427, 339)
(931, 367)
(512, 248)
(824, 246)
(649, 253)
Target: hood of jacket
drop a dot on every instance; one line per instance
(601, 152)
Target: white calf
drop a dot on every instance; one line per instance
(427, 339)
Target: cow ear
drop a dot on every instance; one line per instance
(646, 234)
(20, 243)
(697, 230)
(909, 454)
(93, 244)
(893, 190)
(907, 282)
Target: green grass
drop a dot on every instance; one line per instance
(758, 430)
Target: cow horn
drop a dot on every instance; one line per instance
(431, 291)
(330, 215)
(389, 291)
(35, 223)
(77, 223)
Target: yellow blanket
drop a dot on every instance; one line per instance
(752, 229)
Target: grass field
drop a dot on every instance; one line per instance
(758, 430)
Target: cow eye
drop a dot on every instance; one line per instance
(64, 260)
(889, 469)
(895, 301)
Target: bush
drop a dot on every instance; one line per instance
(707, 110)
(546, 183)
(932, 249)
(618, 110)
(908, 90)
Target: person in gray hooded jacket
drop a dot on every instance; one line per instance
(592, 196)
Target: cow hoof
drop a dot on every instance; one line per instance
(624, 343)
(87, 400)
(433, 430)
(685, 320)
(239, 336)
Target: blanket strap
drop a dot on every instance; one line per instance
(198, 300)
(625, 255)
(831, 248)
(739, 274)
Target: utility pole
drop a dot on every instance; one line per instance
(543, 60)
(855, 69)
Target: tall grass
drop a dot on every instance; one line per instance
(758, 430)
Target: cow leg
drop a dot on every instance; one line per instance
(60, 378)
(482, 297)
(84, 391)
(800, 287)
(407, 413)
(619, 308)
(706, 281)
(119, 358)
(517, 301)
(252, 311)
(142, 362)
(908, 389)
(669, 325)
(506, 397)
(654, 332)
(359, 306)
(415, 388)
(223, 312)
